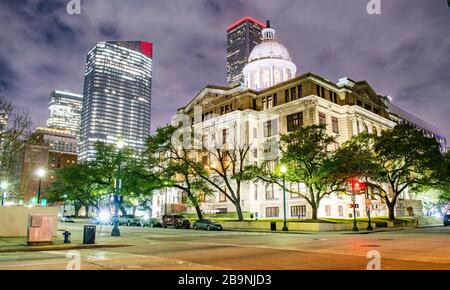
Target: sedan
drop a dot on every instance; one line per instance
(207, 225)
(150, 222)
(446, 219)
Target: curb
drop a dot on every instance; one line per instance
(58, 248)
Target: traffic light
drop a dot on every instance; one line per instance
(358, 186)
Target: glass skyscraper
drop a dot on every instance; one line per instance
(242, 36)
(65, 111)
(116, 96)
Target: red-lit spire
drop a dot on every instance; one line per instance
(245, 19)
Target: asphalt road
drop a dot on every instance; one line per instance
(412, 248)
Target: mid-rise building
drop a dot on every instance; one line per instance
(116, 96)
(267, 108)
(242, 36)
(65, 111)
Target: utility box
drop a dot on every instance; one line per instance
(40, 229)
(89, 234)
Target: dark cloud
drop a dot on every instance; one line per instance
(402, 53)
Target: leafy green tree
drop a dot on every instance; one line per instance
(402, 158)
(307, 153)
(172, 167)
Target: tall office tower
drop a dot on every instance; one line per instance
(242, 36)
(117, 96)
(65, 111)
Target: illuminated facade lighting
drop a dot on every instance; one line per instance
(65, 111)
(117, 96)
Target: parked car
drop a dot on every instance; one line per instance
(129, 220)
(446, 219)
(150, 222)
(67, 219)
(176, 221)
(207, 225)
(99, 221)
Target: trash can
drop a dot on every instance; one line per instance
(273, 226)
(89, 234)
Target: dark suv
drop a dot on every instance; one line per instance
(175, 221)
(446, 219)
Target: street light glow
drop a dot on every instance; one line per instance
(283, 169)
(41, 172)
(120, 144)
(4, 185)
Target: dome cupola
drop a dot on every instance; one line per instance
(269, 62)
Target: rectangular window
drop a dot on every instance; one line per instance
(341, 210)
(335, 125)
(299, 91)
(327, 210)
(335, 98)
(204, 160)
(275, 97)
(255, 153)
(368, 107)
(269, 191)
(322, 119)
(359, 103)
(294, 121)
(298, 211)
(272, 212)
(318, 90)
(255, 190)
(270, 128)
(286, 96)
(222, 197)
(323, 92)
(254, 104)
(224, 136)
(294, 188)
(293, 94)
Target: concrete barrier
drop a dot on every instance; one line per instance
(14, 219)
(294, 226)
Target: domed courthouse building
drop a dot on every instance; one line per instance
(274, 99)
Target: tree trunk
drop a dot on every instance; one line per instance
(314, 212)
(239, 211)
(123, 210)
(196, 205)
(391, 207)
(77, 208)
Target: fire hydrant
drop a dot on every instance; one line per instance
(66, 235)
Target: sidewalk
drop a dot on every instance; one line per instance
(20, 244)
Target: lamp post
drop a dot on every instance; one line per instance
(283, 170)
(4, 185)
(40, 174)
(355, 188)
(368, 207)
(115, 230)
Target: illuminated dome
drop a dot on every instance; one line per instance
(269, 63)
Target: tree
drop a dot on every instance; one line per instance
(225, 171)
(307, 154)
(172, 167)
(404, 158)
(12, 137)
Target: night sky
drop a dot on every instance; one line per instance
(404, 52)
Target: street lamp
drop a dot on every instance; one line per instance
(356, 187)
(368, 207)
(283, 170)
(4, 185)
(40, 174)
(115, 230)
